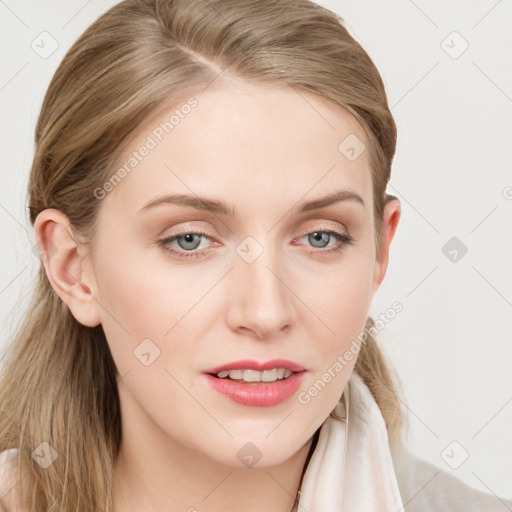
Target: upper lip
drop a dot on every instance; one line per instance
(250, 364)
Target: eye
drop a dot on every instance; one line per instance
(188, 243)
(320, 238)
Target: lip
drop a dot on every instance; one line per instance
(250, 364)
(257, 394)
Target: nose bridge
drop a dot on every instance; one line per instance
(264, 300)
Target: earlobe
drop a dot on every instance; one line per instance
(63, 260)
(391, 217)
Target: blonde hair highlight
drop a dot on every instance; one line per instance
(58, 383)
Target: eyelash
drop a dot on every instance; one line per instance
(343, 240)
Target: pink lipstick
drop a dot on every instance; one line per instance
(257, 393)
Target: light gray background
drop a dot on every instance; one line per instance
(452, 343)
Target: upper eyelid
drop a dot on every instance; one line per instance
(322, 227)
(305, 231)
(317, 225)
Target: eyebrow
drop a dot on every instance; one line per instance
(220, 208)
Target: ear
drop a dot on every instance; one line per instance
(391, 216)
(64, 262)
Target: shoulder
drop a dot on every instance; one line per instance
(9, 483)
(425, 487)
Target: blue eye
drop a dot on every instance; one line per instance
(324, 235)
(189, 241)
(188, 247)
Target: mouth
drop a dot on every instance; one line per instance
(251, 383)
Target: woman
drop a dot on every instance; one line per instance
(209, 196)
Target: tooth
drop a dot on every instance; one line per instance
(268, 375)
(255, 375)
(252, 376)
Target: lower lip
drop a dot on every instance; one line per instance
(257, 394)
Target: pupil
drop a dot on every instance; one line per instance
(317, 237)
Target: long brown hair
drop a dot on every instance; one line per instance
(59, 382)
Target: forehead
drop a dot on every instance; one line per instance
(244, 142)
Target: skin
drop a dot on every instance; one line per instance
(262, 150)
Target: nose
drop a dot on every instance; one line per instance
(261, 298)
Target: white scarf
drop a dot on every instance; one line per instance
(369, 483)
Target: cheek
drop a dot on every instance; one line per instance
(157, 302)
(341, 303)
(341, 294)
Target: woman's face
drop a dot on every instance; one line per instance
(183, 289)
